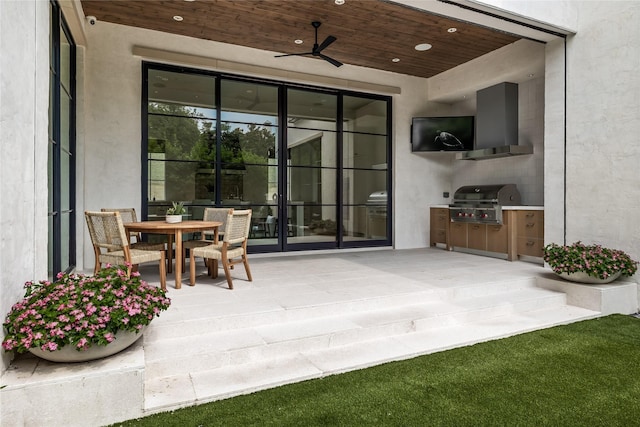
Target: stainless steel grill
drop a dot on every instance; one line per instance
(483, 203)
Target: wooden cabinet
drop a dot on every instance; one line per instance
(521, 233)
(498, 237)
(482, 237)
(530, 232)
(458, 234)
(477, 236)
(439, 226)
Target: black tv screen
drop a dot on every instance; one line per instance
(442, 133)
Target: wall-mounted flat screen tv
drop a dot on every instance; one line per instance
(442, 133)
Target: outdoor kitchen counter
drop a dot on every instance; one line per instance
(521, 234)
(523, 208)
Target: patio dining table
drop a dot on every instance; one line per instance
(174, 232)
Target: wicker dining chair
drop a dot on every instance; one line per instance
(208, 237)
(129, 215)
(233, 249)
(111, 244)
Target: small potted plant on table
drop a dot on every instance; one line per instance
(589, 263)
(175, 212)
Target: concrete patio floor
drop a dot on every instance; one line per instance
(304, 316)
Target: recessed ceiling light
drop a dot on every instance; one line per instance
(339, 2)
(531, 74)
(298, 41)
(395, 60)
(452, 30)
(178, 18)
(423, 46)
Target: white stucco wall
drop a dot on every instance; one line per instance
(603, 124)
(24, 100)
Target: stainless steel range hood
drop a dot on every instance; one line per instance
(496, 124)
(495, 152)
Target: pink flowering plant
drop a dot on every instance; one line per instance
(81, 311)
(594, 260)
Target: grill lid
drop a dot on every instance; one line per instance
(377, 198)
(501, 194)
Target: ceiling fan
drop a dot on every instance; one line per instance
(317, 49)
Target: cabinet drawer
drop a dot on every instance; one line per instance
(440, 218)
(439, 236)
(530, 224)
(530, 246)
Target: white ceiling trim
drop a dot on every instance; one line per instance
(185, 59)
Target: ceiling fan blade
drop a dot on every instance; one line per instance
(331, 60)
(325, 43)
(294, 54)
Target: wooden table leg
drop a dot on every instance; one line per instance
(169, 253)
(178, 259)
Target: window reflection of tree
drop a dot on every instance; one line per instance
(188, 141)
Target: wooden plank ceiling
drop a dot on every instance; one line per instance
(370, 33)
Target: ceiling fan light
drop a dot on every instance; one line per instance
(423, 46)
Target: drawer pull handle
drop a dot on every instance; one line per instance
(530, 224)
(530, 243)
(530, 214)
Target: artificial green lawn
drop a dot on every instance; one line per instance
(586, 373)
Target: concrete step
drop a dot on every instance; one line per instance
(170, 392)
(194, 317)
(272, 339)
(195, 351)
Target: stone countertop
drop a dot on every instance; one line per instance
(504, 208)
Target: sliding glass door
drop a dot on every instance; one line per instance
(304, 160)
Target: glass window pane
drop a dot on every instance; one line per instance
(254, 184)
(311, 223)
(249, 102)
(172, 181)
(364, 151)
(65, 234)
(50, 246)
(65, 117)
(65, 61)
(311, 110)
(314, 185)
(52, 100)
(365, 115)
(358, 185)
(65, 182)
(244, 144)
(364, 223)
(50, 176)
(311, 148)
(181, 94)
(182, 138)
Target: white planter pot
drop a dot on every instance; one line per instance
(69, 354)
(582, 277)
(172, 219)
